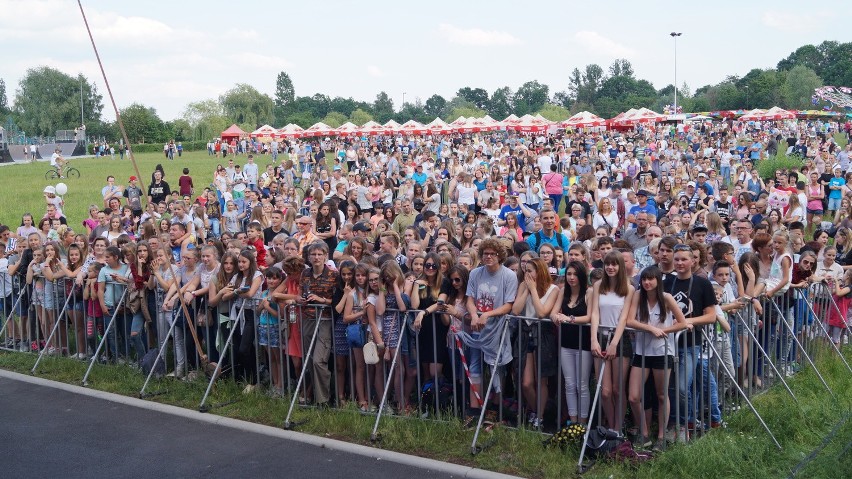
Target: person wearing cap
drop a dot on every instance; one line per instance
(642, 207)
(691, 196)
(702, 183)
(134, 196)
(835, 190)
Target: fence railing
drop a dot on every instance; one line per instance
(540, 375)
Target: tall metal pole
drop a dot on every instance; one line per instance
(675, 35)
(82, 122)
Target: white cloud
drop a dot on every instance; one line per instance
(796, 22)
(375, 71)
(476, 36)
(597, 43)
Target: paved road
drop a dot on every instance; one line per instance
(45, 432)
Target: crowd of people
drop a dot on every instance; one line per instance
(623, 251)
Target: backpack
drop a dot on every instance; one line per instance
(558, 235)
(445, 394)
(603, 441)
(148, 364)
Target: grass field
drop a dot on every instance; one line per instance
(743, 450)
(21, 185)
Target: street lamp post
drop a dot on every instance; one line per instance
(675, 35)
(403, 99)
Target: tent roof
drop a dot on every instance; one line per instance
(234, 130)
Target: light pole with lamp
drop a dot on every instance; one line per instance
(675, 35)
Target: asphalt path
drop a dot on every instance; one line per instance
(47, 432)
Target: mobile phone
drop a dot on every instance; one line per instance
(440, 302)
(244, 289)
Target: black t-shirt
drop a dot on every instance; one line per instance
(692, 295)
(575, 336)
(587, 210)
(159, 191)
(269, 233)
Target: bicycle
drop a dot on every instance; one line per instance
(69, 172)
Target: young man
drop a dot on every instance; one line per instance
(275, 228)
(491, 291)
(694, 295)
(548, 233)
(724, 208)
(318, 284)
(134, 197)
(110, 292)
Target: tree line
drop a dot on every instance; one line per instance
(47, 99)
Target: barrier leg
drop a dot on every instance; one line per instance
(771, 363)
(474, 448)
(808, 358)
(306, 361)
(160, 350)
(824, 331)
(580, 467)
(53, 331)
(731, 375)
(103, 340)
(218, 368)
(374, 435)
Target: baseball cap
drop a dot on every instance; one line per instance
(691, 183)
(360, 226)
(702, 174)
(133, 178)
(642, 193)
(50, 189)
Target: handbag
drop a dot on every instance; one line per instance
(356, 335)
(134, 300)
(371, 352)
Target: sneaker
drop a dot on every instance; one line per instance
(659, 445)
(34, 347)
(642, 441)
(250, 388)
(682, 435)
(718, 424)
(24, 348)
(51, 351)
(82, 356)
(120, 361)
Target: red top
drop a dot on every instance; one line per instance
(185, 185)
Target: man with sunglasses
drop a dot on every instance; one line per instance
(742, 239)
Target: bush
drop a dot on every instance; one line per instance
(767, 168)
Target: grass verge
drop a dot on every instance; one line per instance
(742, 450)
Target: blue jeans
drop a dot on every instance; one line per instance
(137, 333)
(707, 388)
(687, 362)
(215, 227)
(557, 200)
(112, 346)
(725, 172)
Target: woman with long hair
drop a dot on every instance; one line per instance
(325, 226)
(354, 312)
(512, 228)
(388, 304)
(246, 296)
(537, 340)
(609, 317)
(656, 316)
(753, 285)
(570, 311)
(431, 328)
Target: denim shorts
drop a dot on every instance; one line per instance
(268, 335)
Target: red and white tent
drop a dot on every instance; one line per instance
(458, 122)
(530, 124)
(509, 122)
(439, 127)
(347, 129)
(373, 128)
(265, 131)
(319, 129)
(635, 117)
(472, 125)
(491, 123)
(392, 126)
(776, 113)
(412, 127)
(584, 119)
(291, 130)
(753, 115)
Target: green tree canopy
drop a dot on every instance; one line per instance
(244, 105)
(48, 100)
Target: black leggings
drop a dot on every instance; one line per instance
(245, 360)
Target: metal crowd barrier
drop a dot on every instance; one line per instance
(701, 384)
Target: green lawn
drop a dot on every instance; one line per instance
(743, 450)
(22, 184)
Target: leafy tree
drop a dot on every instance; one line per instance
(206, 118)
(142, 124)
(413, 111)
(284, 91)
(359, 117)
(179, 130)
(806, 55)
(468, 111)
(4, 102)
(48, 100)
(477, 96)
(530, 97)
(343, 105)
(501, 105)
(334, 119)
(244, 105)
(583, 86)
(383, 108)
(435, 105)
(621, 67)
(554, 112)
(799, 86)
(563, 98)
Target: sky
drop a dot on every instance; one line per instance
(165, 54)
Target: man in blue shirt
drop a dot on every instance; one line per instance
(642, 207)
(419, 176)
(511, 206)
(548, 233)
(835, 186)
(702, 183)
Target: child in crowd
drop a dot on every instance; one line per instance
(268, 332)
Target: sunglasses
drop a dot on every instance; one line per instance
(430, 266)
(806, 263)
